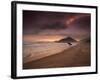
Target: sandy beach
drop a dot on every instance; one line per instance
(75, 56)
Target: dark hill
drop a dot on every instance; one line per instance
(67, 39)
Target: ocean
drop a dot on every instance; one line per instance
(38, 50)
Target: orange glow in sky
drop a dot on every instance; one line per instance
(51, 38)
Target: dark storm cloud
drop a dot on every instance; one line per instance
(38, 22)
(55, 26)
(83, 23)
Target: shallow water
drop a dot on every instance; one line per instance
(34, 51)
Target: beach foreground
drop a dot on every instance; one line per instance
(75, 56)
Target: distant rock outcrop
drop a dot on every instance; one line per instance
(67, 40)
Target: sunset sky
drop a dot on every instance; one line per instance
(52, 26)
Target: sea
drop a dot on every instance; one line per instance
(37, 50)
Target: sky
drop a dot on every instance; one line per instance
(52, 26)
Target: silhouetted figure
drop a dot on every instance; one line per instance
(69, 43)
